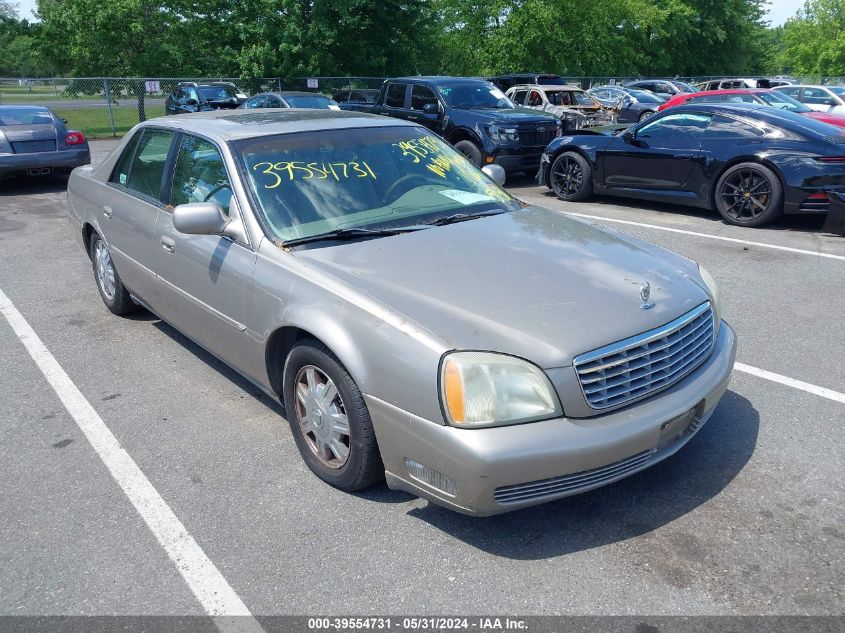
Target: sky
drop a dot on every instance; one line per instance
(779, 10)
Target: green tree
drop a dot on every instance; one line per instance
(814, 40)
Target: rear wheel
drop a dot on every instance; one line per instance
(470, 150)
(749, 194)
(112, 291)
(571, 177)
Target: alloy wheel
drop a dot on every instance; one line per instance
(747, 194)
(321, 415)
(567, 176)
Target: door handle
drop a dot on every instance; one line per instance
(684, 156)
(168, 244)
(107, 213)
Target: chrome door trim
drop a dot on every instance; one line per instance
(240, 327)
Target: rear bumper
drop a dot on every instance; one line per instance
(62, 159)
(499, 469)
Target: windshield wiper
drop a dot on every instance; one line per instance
(461, 217)
(350, 234)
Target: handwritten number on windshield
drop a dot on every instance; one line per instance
(304, 171)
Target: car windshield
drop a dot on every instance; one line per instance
(25, 116)
(213, 93)
(475, 95)
(308, 184)
(785, 102)
(311, 101)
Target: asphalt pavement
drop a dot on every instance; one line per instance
(746, 519)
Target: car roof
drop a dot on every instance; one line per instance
(21, 106)
(232, 125)
(439, 79)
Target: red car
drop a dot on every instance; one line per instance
(755, 95)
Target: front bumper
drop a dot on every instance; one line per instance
(61, 159)
(518, 158)
(504, 468)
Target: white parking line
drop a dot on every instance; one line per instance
(707, 235)
(823, 392)
(205, 580)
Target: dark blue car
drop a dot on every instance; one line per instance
(749, 162)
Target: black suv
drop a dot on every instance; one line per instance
(189, 96)
(474, 116)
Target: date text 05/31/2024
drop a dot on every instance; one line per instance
(480, 624)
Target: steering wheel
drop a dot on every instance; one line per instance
(211, 193)
(404, 179)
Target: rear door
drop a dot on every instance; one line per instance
(131, 203)
(396, 100)
(661, 156)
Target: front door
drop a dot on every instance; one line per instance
(205, 279)
(661, 156)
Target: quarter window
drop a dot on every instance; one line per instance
(685, 125)
(274, 102)
(200, 175)
(143, 174)
(255, 102)
(421, 96)
(723, 127)
(792, 92)
(395, 97)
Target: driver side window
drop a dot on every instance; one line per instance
(200, 175)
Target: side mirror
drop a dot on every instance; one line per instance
(829, 102)
(64, 120)
(200, 218)
(191, 102)
(628, 137)
(496, 173)
(431, 108)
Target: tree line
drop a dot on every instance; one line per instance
(292, 38)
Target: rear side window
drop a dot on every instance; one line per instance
(686, 125)
(816, 96)
(395, 96)
(792, 92)
(274, 102)
(706, 99)
(723, 127)
(142, 174)
(200, 175)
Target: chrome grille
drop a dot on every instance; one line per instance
(645, 364)
(577, 482)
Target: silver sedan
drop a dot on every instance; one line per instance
(36, 142)
(415, 320)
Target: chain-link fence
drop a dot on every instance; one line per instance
(110, 106)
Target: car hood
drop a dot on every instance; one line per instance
(532, 283)
(827, 117)
(513, 116)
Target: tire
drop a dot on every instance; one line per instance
(646, 115)
(571, 177)
(470, 150)
(316, 419)
(749, 194)
(112, 291)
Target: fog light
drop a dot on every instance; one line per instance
(430, 477)
(490, 159)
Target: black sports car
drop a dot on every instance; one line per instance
(750, 162)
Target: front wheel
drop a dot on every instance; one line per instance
(749, 194)
(571, 177)
(329, 419)
(646, 115)
(112, 291)
(470, 150)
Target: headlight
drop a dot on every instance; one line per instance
(484, 389)
(713, 289)
(503, 134)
